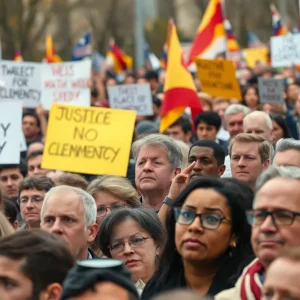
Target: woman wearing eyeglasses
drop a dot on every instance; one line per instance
(209, 240)
(135, 236)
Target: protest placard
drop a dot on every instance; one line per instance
(217, 78)
(133, 97)
(270, 90)
(254, 55)
(285, 50)
(10, 131)
(91, 140)
(66, 83)
(22, 81)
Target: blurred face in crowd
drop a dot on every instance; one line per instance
(282, 280)
(293, 91)
(140, 256)
(33, 147)
(206, 132)
(297, 105)
(258, 126)
(245, 162)
(34, 166)
(31, 202)
(64, 216)
(106, 202)
(30, 127)
(220, 107)
(153, 170)
(111, 82)
(206, 105)
(14, 285)
(268, 239)
(251, 98)
(234, 124)
(176, 132)
(206, 163)
(289, 157)
(277, 132)
(9, 182)
(245, 75)
(194, 242)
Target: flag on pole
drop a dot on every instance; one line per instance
(150, 58)
(179, 89)
(232, 44)
(83, 49)
(50, 55)
(164, 58)
(278, 27)
(18, 56)
(119, 60)
(210, 38)
(254, 41)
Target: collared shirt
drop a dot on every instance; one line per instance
(90, 255)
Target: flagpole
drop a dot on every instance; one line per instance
(139, 33)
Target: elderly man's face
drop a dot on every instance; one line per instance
(287, 158)
(64, 216)
(258, 126)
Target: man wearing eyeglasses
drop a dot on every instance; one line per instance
(31, 196)
(275, 220)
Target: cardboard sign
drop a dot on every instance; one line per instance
(285, 50)
(66, 83)
(133, 97)
(22, 81)
(254, 55)
(270, 90)
(10, 133)
(217, 78)
(89, 140)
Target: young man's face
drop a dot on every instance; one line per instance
(176, 132)
(206, 132)
(9, 182)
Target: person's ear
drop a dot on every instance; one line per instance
(15, 225)
(221, 170)
(266, 164)
(93, 230)
(188, 136)
(177, 171)
(53, 292)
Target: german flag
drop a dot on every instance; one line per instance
(120, 60)
(210, 38)
(179, 90)
(50, 55)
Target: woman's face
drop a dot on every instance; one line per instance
(277, 132)
(105, 203)
(140, 256)
(197, 244)
(251, 98)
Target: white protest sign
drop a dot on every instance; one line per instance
(133, 97)
(285, 50)
(10, 131)
(22, 81)
(66, 83)
(23, 144)
(270, 90)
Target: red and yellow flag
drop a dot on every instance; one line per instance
(210, 38)
(179, 90)
(50, 55)
(18, 56)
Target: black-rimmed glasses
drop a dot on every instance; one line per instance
(134, 242)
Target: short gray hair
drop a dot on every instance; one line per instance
(287, 144)
(277, 171)
(260, 114)
(175, 156)
(235, 109)
(89, 203)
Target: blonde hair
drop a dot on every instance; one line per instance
(264, 147)
(5, 227)
(119, 187)
(71, 179)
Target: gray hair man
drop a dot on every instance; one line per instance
(70, 214)
(287, 153)
(158, 160)
(275, 220)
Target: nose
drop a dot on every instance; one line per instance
(9, 182)
(36, 171)
(127, 249)
(268, 225)
(56, 228)
(196, 226)
(147, 166)
(241, 162)
(29, 204)
(198, 166)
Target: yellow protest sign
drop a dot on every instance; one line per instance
(89, 140)
(217, 78)
(253, 55)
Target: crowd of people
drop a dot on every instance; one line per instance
(209, 208)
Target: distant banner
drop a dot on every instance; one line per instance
(66, 83)
(89, 140)
(133, 97)
(22, 81)
(254, 55)
(217, 78)
(10, 131)
(285, 50)
(271, 91)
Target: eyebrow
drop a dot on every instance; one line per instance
(214, 209)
